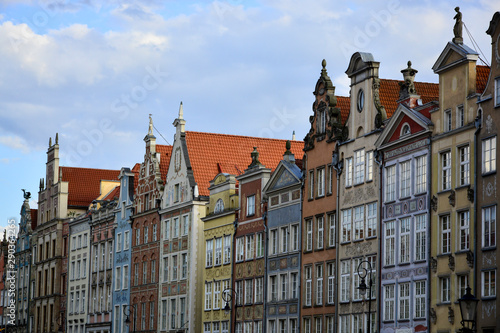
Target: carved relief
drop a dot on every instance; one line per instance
(489, 308)
(433, 316)
(489, 259)
(434, 264)
(451, 198)
(451, 262)
(358, 249)
(470, 259)
(451, 315)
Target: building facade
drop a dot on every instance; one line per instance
(283, 196)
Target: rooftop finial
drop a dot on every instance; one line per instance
(407, 87)
(293, 136)
(150, 129)
(255, 158)
(50, 142)
(457, 28)
(181, 112)
(57, 138)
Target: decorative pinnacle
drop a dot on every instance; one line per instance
(181, 112)
(288, 145)
(50, 142)
(150, 129)
(57, 138)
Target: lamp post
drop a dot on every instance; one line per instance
(363, 272)
(468, 309)
(227, 296)
(126, 312)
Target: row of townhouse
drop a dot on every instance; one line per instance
(218, 233)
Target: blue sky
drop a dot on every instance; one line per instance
(93, 70)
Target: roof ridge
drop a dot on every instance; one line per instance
(82, 168)
(414, 81)
(243, 136)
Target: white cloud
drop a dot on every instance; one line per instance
(15, 142)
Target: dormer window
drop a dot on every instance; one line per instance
(219, 206)
(405, 130)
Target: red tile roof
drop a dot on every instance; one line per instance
(344, 104)
(211, 153)
(85, 184)
(135, 170)
(165, 153)
(34, 217)
(482, 73)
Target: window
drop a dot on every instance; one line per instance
(356, 295)
(144, 272)
(357, 322)
(331, 230)
(185, 225)
(345, 280)
(165, 269)
(239, 292)
(405, 130)
(151, 315)
(217, 295)
(259, 287)
(309, 235)
(444, 285)
(247, 326)
(136, 274)
(251, 205)
(174, 268)
(359, 166)
(219, 206)
(346, 225)
(445, 234)
(248, 291)
(460, 116)
(119, 242)
(308, 289)
(294, 285)
(110, 256)
(84, 268)
(405, 179)
(389, 240)
(330, 269)
(118, 277)
(389, 302)
(210, 253)
(71, 302)
(184, 258)
(404, 240)
(311, 184)
(207, 327)
(371, 220)
(489, 154)
(125, 277)
(274, 288)
(240, 248)
(488, 282)
(345, 323)
(166, 233)
(359, 222)
(153, 271)
(216, 327)
(463, 218)
(497, 91)
(321, 182)
(293, 325)
(446, 170)
(294, 246)
(137, 236)
(154, 232)
(321, 119)
(250, 244)
(283, 286)
(175, 232)
(390, 186)
(369, 166)
(318, 323)
(463, 153)
(421, 174)
(348, 172)
(319, 232)
(126, 240)
(218, 251)
(489, 226)
(273, 247)
(420, 237)
(208, 295)
(173, 313)
(227, 249)
(329, 178)
(260, 245)
(404, 300)
(447, 120)
(463, 283)
(319, 284)
(164, 315)
(238, 328)
(224, 327)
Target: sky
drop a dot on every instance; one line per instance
(93, 70)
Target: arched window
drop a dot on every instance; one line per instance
(405, 130)
(219, 206)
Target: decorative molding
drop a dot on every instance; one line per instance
(434, 202)
(405, 149)
(358, 249)
(451, 198)
(470, 259)
(451, 262)
(433, 315)
(451, 315)
(433, 264)
(470, 194)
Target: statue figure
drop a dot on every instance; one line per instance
(26, 195)
(457, 29)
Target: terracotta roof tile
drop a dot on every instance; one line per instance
(482, 73)
(113, 194)
(165, 152)
(84, 184)
(211, 153)
(135, 170)
(344, 104)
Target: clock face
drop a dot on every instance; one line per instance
(361, 100)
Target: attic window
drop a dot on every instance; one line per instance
(219, 206)
(405, 130)
(321, 120)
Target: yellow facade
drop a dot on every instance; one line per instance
(218, 251)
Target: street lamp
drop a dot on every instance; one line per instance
(126, 312)
(227, 296)
(468, 309)
(362, 273)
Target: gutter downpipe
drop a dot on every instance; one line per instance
(264, 292)
(477, 123)
(379, 262)
(338, 166)
(428, 228)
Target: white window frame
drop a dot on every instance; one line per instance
(404, 301)
(331, 229)
(371, 220)
(464, 169)
(445, 170)
(464, 233)
(319, 284)
(345, 280)
(488, 283)
(447, 120)
(311, 184)
(489, 226)
(320, 226)
(390, 243)
(348, 172)
(209, 252)
(346, 222)
(390, 183)
(445, 229)
(444, 289)
(308, 285)
(359, 166)
(420, 237)
(320, 175)
(208, 295)
(359, 222)
(309, 235)
(460, 116)
(389, 302)
(404, 240)
(369, 166)
(405, 179)
(489, 147)
(251, 205)
(250, 243)
(421, 174)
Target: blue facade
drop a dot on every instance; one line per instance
(282, 298)
(122, 258)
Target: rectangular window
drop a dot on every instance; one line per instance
(217, 297)
(294, 246)
(144, 272)
(273, 283)
(249, 247)
(259, 288)
(446, 171)
(421, 174)
(165, 269)
(240, 248)
(248, 291)
(404, 240)
(345, 323)
(227, 249)
(319, 284)
(273, 240)
(330, 268)
(311, 184)
(260, 245)
(463, 218)
(460, 116)
(137, 236)
(84, 268)
(239, 292)
(182, 311)
(224, 327)
(329, 179)
(357, 322)
(359, 222)
(463, 153)
(126, 240)
(404, 179)
(348, 172)
(209, 252)
(444, 285)
(175, 232)
(174, 268)
(319, 232)
(345, 280)
(184, 262)
(153, 271)
(371, 220)
(136, 274)
(445, 234)
(118, 242)
(251, 205)
(497, 91)
(155, 232)
(369, 166)
(118, 277)
(284, 235)
(293, 328)
(164, 315)
(389, 301)
(321, 181)
(309, 235)
(143, 316)
(308, 289)
(447, 121)
(185, 225)
(346, 225)
(488, 282)
(125, 277)
(489, 154)
(356, 296)
(166, 232)
(359, 166)
(390, 244)
(151, 315)
(331, 230)
(318, 324)
(390, 186)
(146, 234)
(173, 311)
(420, 237)
(283, 286)
(404, 301)
(463, 283)
(489, 226)
(218, 251)
(208, 295)
(294, 285)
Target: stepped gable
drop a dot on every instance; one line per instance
(84, 184)
(482, 73)
(211, 154)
